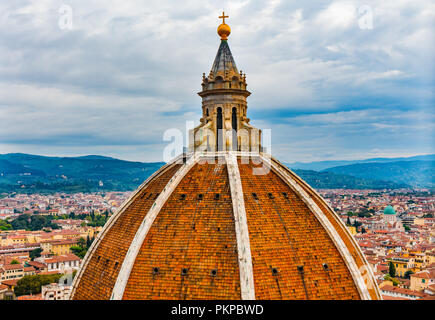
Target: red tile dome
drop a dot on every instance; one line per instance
(212, 228)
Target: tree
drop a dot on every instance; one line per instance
(391, 269)
(33, 222)
(393, 280)
(80, 249)
(21, 222)
(407, 228)
(363, 230)
(32, 284)
(356, 224)
(348, 222)
(81, 242)
(15, 262)
(408, 274)
(36, 253)
(363, 213)
(4, 225)
(37, 223)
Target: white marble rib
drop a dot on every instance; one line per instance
(347, 257)
(112, 220)
(370, 275)
(242, 233)
(128, 263)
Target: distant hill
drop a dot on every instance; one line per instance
(322, 165)
(329, 180)
(31, 173)
(26, 173)
(415, 173)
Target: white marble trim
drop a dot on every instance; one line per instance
(242, 233)
(112, 220)
(339, 221)
(347, 257)
(129, 260)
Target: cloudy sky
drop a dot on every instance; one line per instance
(331, 79)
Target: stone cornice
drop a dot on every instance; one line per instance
(205, 93)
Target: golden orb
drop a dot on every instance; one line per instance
(224, 31)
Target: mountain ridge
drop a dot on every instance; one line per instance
(414, 173)
(34, 173)
(322, 165)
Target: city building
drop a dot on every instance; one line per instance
(423, 280)
(60, 263)
(58, 247)
(402, 265)
(390, 215)
(3, 291)
(55, 291)
(389, 292)
(14, 271)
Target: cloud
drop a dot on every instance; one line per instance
(338, 15)
(126, 72)
(352, 134)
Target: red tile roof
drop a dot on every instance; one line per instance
(403, 291)
(425, 274)
(12, 266)
(30, 297)
(29, 269)
(62, 258)
(386, 297)
(9, 283)
(37, 264)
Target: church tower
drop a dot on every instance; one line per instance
(224, 123)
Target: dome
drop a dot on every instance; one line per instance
(220, 227)
(389, 210)
(224, 31)
(224, 221)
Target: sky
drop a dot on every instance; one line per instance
(331, 79)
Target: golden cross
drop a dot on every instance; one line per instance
(223, 16)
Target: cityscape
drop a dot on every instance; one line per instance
(198, 152)
(394, 228)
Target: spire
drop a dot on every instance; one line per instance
(224, 60)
